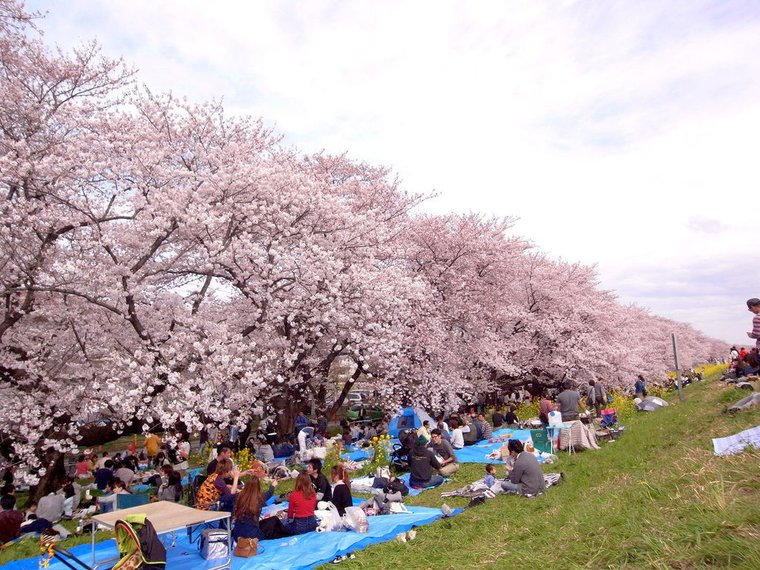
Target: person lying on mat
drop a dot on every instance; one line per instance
(422, 461)
(301, 504)
(525, 476)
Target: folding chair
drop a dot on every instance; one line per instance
(541, 440)
(125, 501)
(139, 545)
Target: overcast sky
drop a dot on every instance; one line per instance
(622, 134)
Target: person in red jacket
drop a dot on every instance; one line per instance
(301, 504)
(10, 520)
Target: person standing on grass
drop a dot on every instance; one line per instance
(640, 387)
(753, 305)
(568, 401)
(597, 396)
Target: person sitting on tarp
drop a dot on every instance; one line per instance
(318, 480)
(104, 475)
(470, 432)
(10, 519)
(107, 503)
(248, 508)
(284, 448)
(301, 504)
(524, 475)
(341, 489)
(422, 461)
(457, 435)
(444, 453)
(485, 431)
(215, 489)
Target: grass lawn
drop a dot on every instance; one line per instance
(656, 498)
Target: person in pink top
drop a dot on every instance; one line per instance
(82, 468)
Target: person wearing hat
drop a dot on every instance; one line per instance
(753, 305)
(422, 462)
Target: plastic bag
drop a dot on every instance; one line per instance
(328, 517)
(356, 519)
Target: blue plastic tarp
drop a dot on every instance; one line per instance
(299, 552)
(478, 453)
(357, 453)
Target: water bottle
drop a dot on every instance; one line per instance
(291, 542)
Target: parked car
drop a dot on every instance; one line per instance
(354, 398)
(364, 413)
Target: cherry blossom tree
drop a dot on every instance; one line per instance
(165, 266)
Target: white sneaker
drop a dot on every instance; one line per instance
(401, 537)
(411, 535)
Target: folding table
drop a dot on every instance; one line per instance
(165, 517)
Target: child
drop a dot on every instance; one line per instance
(490, 477)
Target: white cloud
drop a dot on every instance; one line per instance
(620, 133)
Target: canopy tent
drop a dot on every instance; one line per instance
(409, 418)
(651, 403)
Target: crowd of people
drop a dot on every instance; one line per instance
(432, 457)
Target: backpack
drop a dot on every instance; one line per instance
(397, 486)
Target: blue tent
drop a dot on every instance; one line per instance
(409, 418)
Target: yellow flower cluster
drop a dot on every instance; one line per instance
(243, 459)
(381, 446)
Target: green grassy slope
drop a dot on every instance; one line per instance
(656, 498)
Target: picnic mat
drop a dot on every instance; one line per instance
(357, 453)
(297, 552)
(478, 453)
(737, 442)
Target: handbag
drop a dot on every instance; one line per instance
(246, 547)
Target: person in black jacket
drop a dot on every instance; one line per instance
(318, 480)
(422, 461)
(341, 489)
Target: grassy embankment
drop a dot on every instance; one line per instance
(656, 498)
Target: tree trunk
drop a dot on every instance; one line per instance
(346, 389)
(50, 482)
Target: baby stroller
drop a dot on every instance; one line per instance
(400, 451)
(139, 545)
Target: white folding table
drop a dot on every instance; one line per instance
(165, 517)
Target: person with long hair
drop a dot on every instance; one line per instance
(341, 489)
(301, 505)
(248, 509)
(215, 489)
